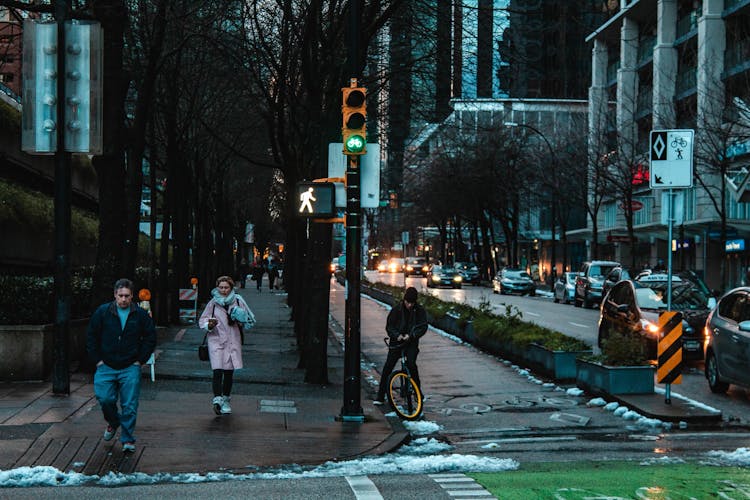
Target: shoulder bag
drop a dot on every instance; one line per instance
(203, 349)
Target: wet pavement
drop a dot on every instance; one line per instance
(483, 405)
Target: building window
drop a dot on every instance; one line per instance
(6, 77)
(610, 215)
(7, 59)
(645, 214)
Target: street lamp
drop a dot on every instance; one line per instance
(552, 204)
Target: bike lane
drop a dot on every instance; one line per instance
(486, 405)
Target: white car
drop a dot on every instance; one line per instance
(565, 288)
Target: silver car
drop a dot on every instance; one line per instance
(513, 281)
(727, 344)
(565, 288)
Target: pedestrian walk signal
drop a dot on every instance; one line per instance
(316, 199)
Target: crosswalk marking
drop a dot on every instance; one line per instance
(363, 488)
(460, 486)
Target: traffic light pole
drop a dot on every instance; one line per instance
(60, 371)
(352, 409)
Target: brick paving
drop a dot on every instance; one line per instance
(277, 418)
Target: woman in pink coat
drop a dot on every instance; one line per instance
(224, 316)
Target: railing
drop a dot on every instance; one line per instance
(686, 80)
(646, 49)
(612, 72)
(737, 54)
(687, 24)
(9, 92)
(645, 100)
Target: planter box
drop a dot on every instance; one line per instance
(614, 379)
(560, 365)
(380, 295)
(27, 350)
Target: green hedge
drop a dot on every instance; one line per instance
(29, 300)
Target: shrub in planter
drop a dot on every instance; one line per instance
(29, 300)
(623, 350)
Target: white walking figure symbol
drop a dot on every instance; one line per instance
(305, 198)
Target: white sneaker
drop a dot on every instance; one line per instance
(217, 402)
(225, 408)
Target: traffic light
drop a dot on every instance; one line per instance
(83, 82)
(82, 77)
(354, 111)
(39, 120)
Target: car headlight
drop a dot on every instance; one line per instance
(435, 277)
(457, 278)
(425, 269)
(649, 327)
(409, 268)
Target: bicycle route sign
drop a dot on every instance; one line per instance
(671, 157)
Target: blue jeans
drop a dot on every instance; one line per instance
(110, 383)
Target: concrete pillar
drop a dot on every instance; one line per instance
(711, 46)
(665, 65)
(627, 88)
(598, 110)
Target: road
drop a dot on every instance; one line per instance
(582, 324)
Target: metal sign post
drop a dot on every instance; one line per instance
(671, 163)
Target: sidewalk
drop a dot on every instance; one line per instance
(277, 419)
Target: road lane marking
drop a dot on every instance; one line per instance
(460, 486)
(579, 325)
(363, 488)
(532, 314)
(517, 440)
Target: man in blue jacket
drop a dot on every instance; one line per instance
(120, 338)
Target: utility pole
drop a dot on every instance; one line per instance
(354, 139)
(60, 369)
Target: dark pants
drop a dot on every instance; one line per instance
(258, 280)
(271, 279)
(222, 383)
(394, 355)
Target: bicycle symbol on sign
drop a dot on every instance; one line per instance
(678, 143)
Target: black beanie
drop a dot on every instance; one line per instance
(411, 294)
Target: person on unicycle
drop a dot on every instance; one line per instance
(405, 325)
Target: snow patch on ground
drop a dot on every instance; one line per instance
(574, 391)
(738, 458)
(425, 446)
(597, 402)
(422, 427)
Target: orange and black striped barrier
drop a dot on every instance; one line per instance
(669, 351)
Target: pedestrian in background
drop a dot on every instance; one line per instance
(258, 272)
(120, 338)
(242, 272)
(225, 315)
(273, 272)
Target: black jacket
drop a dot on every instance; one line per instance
(404, 321)
(120, 347)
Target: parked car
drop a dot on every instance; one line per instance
(468, 271)
(565, 288)
(727, 341)
(634, 306)
(617, 274)
(590, 281)
(439, 275)
(395, 265)
(415, 266)
(511, 280)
